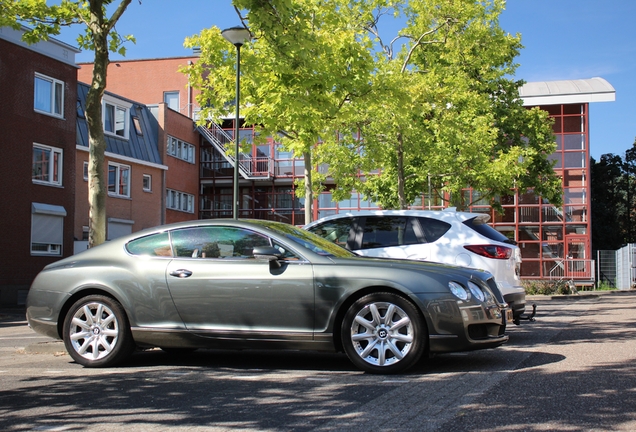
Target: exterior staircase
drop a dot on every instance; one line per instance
(250, 168)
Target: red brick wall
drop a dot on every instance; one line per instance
(145, 81)
(144, 208)
(22, 127)
(181, 176)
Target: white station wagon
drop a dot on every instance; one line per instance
(449, 237)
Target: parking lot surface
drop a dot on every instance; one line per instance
(574, 369)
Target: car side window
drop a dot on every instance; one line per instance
(386, 231)
(336, 231)
(152, 245)
(216, 242)
(433, 229)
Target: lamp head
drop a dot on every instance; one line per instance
(237, 36)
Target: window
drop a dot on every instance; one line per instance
(85, 171)
(387, 231)
(47, 165)
(216, 242)
(180, 201)
(172, 100)
(115, 117)
(153, 245)
(180, 149)
(147, 183)
(336, 231)
(47, 229)
(118, 180)
(49, 96)
(137, 125)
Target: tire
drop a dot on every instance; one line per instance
(97, 333)
(383, 333)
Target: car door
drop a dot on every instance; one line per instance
(397, 237)
(219, 288)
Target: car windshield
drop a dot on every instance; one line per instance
(306, 239)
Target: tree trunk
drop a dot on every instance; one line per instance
(309, 194)
(97, 183)
(400, 172)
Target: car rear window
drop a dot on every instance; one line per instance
(487, 231)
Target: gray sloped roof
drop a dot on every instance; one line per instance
(143, 147)
(567, 91)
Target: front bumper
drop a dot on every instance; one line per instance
(462, 326)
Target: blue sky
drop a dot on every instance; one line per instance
(563, 39)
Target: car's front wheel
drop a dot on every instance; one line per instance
(383, 333)
(96, 332)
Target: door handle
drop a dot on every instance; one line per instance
(181, 273)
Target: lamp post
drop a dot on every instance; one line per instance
(237, 36)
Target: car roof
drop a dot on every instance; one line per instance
(446, 215)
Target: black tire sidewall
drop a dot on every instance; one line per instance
(125, 344)
(419, 333)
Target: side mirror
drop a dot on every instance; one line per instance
(268, 253)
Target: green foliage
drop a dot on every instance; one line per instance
(545, 287)
(613, 200)
(436, 101)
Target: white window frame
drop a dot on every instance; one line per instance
(47, 229)
(54, 169)
(85, 171)
(147, 178)
(179, 201)
(180, 149)
(55, 97)
(119, 169)
(116, 105)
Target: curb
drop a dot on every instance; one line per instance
(582, 295)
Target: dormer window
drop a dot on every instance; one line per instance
(116, 117)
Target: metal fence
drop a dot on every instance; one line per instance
(578, 270)
(617, 268)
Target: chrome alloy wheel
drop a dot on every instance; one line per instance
(94, 331)
(382, 333)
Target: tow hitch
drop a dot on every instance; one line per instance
(526, 317)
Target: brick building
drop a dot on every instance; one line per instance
(150, 81)
(38, 87)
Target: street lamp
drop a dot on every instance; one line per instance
(237, 36)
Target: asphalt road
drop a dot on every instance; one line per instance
(574, 369)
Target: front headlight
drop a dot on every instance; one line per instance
(476, 291)
(458, 291)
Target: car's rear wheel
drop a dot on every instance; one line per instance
(383, 333)
(96, 332)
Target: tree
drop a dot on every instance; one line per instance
(435, 102)
(101, 37)
(443, 107)
(305, 63)
(613, 200)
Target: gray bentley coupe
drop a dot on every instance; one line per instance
(241, 284)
